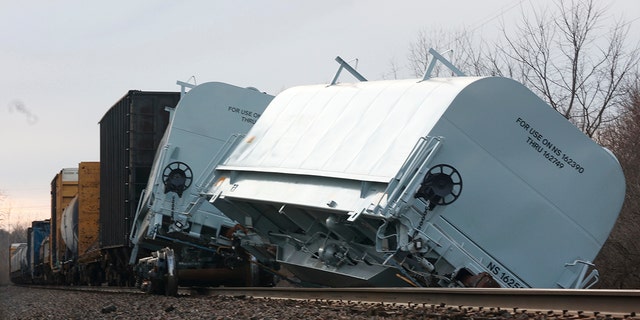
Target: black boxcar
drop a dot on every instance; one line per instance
(130, 132)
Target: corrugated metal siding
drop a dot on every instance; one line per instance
(53, 223)
(129, 135)
(38, 231)
(88, 205)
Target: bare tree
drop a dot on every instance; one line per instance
(572, 61)
(619, 259)
(4, 257)
(567, 56)
(4, 212)
(18, 235)
(586, 71)
(394, 69)
(460, 47)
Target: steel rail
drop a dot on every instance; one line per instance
(591, 300)
(92, 289)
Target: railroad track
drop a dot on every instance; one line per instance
(98, 289)
(619, 302)
(551, 302)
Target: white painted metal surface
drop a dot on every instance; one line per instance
(200, 125)
(18, 260)
(315, 173)
(69, 226)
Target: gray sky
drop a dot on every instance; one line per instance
(63, 64)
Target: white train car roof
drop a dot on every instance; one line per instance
(304, 128)
(536, 189)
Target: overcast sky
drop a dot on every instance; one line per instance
(63, 64)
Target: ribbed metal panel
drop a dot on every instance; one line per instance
(36, 233)
(53, 242)
(88, 206)
(129, 135)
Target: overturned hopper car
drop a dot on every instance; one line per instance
(458, 181)
(191, 239)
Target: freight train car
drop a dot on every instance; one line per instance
(37, 236)
(130, 132)
(64, 186)
(29, 261)
(18, 265)
(79, 229)
(190, 237)
(92, 205)
(458, 181)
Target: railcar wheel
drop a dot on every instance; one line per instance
(171, 286)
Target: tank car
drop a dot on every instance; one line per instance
(454, 181)
(18, 265)
(190, 239)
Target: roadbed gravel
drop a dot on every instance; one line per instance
(28, 303)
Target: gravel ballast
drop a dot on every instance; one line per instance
(29, 303)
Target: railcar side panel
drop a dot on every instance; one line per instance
(130, 132)
(36, 236)
(88, 206)
(64, 187)
(442, 181)
(18, 266)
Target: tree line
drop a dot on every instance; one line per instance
(18, 234)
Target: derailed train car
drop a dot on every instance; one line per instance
(93, 205)
(459, 181)
(194, 248)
